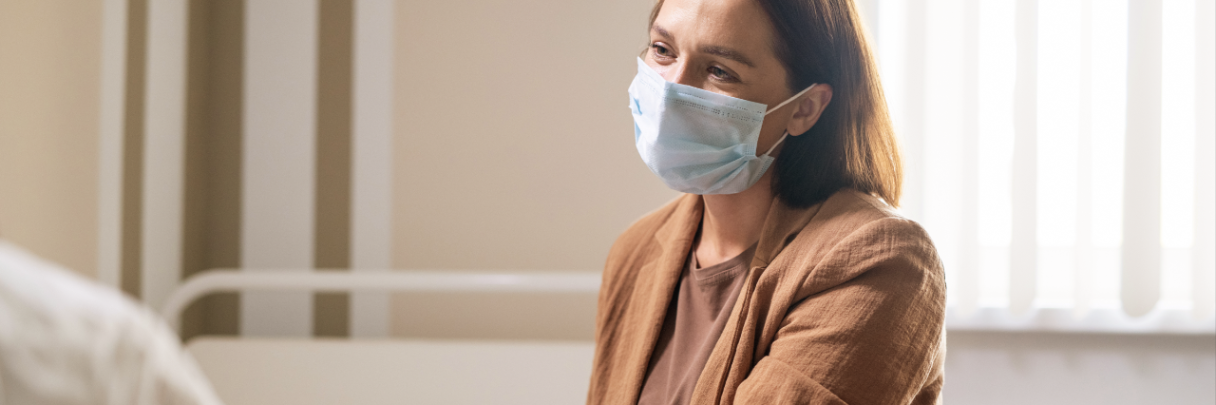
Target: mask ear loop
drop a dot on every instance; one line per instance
(788, 100)
(783, 103)
(770, 150)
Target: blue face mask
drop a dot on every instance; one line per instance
(698, 141)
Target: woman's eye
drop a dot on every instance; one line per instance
(660, 50)
(719, 73)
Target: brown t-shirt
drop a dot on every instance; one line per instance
(695, 318)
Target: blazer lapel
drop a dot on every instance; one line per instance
(781, 226)
(657, 280)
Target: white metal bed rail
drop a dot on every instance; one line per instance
(233, 280)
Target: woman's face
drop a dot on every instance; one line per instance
(724, 46)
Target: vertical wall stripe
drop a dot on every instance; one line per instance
(372, 166)
(110, 147)
(164, 128)
(278, 191)
(332, 247)
(913, 126)
(1204, 245)
(1023, 249)
(1141, 281)
(133, 149)
(968, 254)
(211, 227)
(226, 117)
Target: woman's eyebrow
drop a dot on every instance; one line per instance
(727, 53)
(715, 50)
(662, 32)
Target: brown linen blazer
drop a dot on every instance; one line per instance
(844, 304)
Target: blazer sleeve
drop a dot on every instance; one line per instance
(874, 339)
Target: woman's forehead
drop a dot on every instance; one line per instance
(729, 27)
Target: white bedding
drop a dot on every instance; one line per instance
(65, 340)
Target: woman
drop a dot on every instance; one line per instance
(795, 283)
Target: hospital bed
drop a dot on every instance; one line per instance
(249, 370)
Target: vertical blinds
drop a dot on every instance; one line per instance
(1059, 152)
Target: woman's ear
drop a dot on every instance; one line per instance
(809, 107)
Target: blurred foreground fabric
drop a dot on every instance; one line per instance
(65, 340)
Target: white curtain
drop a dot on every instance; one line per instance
(1060, 152)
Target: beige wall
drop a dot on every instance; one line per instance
(49, 93)
(514, 151)
(514, 146)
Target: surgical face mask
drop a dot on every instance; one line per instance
(698, 141)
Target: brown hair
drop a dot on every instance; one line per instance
(853, 144)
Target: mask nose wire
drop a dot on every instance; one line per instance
(788, 100)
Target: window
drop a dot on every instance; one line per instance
(1060, 153)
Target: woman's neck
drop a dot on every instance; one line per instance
(732, 222)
